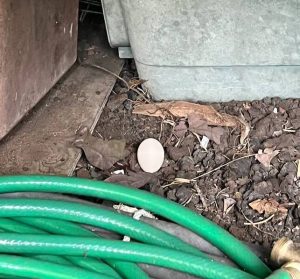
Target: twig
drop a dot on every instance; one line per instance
(255, 226)
(109, 72)
(188, 200)
(200, 195)
(161, 130)
(177, 181)
(222, 166)
(118, 77)
(260, 222)
(221, 192)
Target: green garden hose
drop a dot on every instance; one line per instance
(119, 250)
(178, 214)
(96, 217)
(94, 265)
(59, 227)
(50, 241)
(31, 268)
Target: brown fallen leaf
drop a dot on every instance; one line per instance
(200, 127)
(102, 154)
(298, 168)
(133, 179)
(134, 83)
(180, 129)
(203, 112)
(265, 157)
(268, 206)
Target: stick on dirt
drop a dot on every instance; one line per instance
(222, 166)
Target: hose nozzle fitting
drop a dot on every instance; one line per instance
(293, 269)
(285, 251)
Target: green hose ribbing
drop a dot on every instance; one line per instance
(9, 225)
(235, 250)
(31, 268)
(125, 269)
(90, 264)
(119, 250)
(96, 217)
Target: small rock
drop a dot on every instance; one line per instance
(186, 174)
(128, 105)
(189, 141)
(241, 168)
(199, 155)
(172, 195)
(283, 141)
(288, 186)
(287, 168)
(255, 196)
(232, 185)
(208, 159)
(183, 194)
(83, 173)
(289, 154)
(263, 188)
(94, 173)
(243, 181)
(220, 159)
(176, 153)
(132, 95)
(187, 163)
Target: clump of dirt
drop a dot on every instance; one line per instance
(256, 198)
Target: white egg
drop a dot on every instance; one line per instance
(151, 155)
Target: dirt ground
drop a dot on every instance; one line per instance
(255, 202)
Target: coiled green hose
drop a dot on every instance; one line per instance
(31, 268)
(119, 250)
(168, 209)
(59, 227)
(94, 265)
(158, 251)
(96, 217)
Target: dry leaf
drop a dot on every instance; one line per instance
(265, 157)
(298, 169)
(135, 180)
(200, 127)
(268, 206)
(180, 129)
(134, 83)
(203, 112)
(100, 153)
(228, 205)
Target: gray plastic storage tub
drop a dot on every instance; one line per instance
(213, 50)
